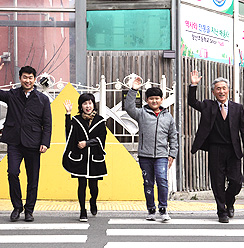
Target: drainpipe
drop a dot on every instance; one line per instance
(176, 35)
(16, 68)
(236, 81)
(80, 37)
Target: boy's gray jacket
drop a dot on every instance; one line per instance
(157, 135)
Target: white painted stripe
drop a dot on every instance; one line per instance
(173, 221)
(43, 239)
(176, 232)
(173, 244)
(48, 226)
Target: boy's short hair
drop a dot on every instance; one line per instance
(154, 91)
(27, 69)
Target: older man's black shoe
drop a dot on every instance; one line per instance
(223, 219)
(29, 217)
(230, 212)
(15, 214)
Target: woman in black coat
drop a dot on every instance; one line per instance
(84, 155)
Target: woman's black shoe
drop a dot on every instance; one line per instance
(83, 215)
(93, 208)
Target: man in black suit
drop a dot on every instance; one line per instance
(27, 132)
(221, 124)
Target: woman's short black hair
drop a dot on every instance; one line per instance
(154, 91)
(27, 69)
(85, 97)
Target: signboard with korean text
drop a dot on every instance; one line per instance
(208, 38)
(241, 42)
(225, 6)
(138, 98)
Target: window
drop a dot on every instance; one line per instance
(241, 8)
(129, 30)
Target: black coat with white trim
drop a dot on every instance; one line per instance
(88, 162)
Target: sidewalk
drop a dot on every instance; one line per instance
(173, 205)
(180, 201)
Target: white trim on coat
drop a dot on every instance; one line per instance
(81, 127)
(88, 159)
(95, 160)
(88, 148)
(67, 141)
(90, 130)
(75, 159)
(86, 176)
(100, 142)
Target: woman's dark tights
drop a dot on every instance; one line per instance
(93, 186)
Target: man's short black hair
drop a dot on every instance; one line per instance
(86, 97)
(27, 69)
(154, 91)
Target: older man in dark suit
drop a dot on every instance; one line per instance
(27, 132)
(221, 124)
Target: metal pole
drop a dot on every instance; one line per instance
(236, 81)
(80, 34)
(102, 105)
(178, 100)
(16, 68)
(163, 85)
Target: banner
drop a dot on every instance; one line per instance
(208, 38)
(241, 43)
(225, 6)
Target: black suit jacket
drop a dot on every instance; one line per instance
(28, 120)
(208, 109)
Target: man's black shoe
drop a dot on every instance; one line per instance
(29, 217)
(224, 219)
(230, 212)
(15, 214)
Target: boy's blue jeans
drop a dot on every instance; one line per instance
(155, 168)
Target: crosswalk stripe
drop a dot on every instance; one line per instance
(176, 232)
(68, 226)
(173, 244)
(172, 221)
(43, 239)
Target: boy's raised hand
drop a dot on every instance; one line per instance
(195, 79)
(136, 83)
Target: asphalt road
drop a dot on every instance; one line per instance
(115, 229)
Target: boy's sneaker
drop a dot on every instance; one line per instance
(151, 214)
(164, 215)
